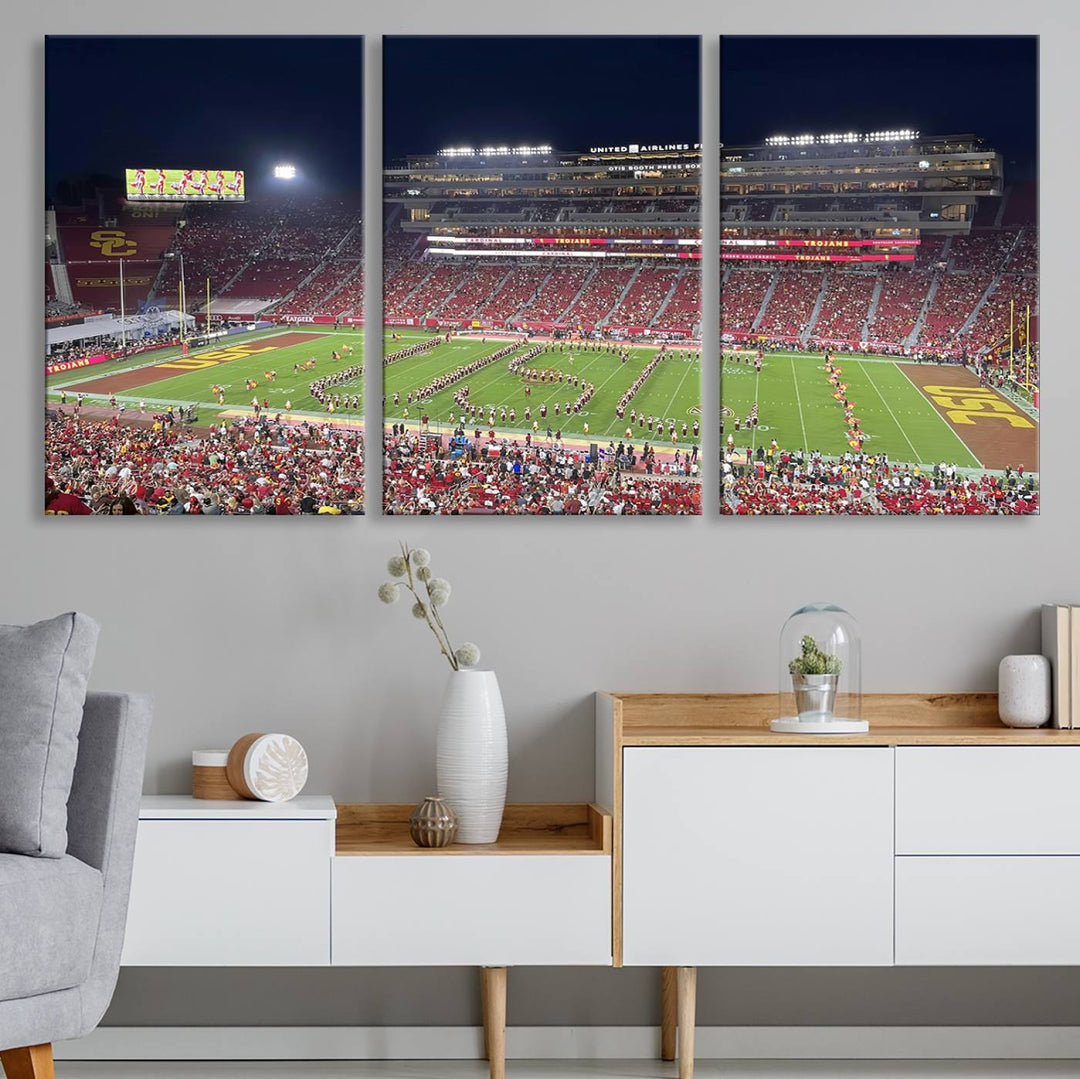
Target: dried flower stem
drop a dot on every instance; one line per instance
(429, 609)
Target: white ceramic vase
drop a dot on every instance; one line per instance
(1024, 691)
(470, 754)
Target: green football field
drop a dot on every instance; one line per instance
(228, 364)
(672, 391)
(797, 408)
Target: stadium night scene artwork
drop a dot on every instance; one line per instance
(203, 277)
(879, 275)
(541, 297)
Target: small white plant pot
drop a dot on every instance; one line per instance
(471, 755)
(1024, 691)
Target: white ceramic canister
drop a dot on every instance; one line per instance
(1024, 691)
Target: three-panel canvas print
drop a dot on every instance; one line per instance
(542, 319)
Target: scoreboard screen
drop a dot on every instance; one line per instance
(196, 185)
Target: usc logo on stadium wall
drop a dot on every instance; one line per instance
(113, 243)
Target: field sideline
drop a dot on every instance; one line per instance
(672, 391)
(899, 414)
(166, 377)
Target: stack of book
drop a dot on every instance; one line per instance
(1061, 645)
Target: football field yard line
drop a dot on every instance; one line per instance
(616, 422)
(753, 431)
(915, 453)
(948, 425)
(798, 401)
(678, 389)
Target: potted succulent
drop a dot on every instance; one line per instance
(470, 750)
(814, 677)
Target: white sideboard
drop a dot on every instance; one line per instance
(222, 883)
(750, 856)
(308, 883)
(511, 911)
(811, 856)
(231, 883)
(940, 838)
(988, 848)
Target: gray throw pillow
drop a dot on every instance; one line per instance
(44, 669)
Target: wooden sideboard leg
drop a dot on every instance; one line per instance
(669, 1014)
(484, 1011)
(493, 994)
(687, 981)
(32, 1062)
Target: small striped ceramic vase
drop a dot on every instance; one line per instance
(470, 754)
(432, 823)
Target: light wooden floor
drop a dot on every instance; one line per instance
(573, 1069)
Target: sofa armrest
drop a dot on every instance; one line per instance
(103, 815)
(103, 807)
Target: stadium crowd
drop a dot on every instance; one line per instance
(782, 482)
(102, 466)
(422, 476)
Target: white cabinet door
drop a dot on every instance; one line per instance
(988, 800)
(758, 856)
(981, 911)
(472, 910)
(244, 893)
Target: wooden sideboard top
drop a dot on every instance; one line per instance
(716, 719)
(574, 828)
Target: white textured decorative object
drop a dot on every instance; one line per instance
(832, 725)
(470, 754)
(275, 768)
(1024, 691)
(209, 758)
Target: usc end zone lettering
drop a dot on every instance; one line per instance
(212, 359)
(190, 363)
(969, 404)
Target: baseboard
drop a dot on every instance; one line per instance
(583, 1043)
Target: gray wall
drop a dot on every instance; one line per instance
(237, 625)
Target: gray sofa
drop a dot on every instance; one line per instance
(62, 919)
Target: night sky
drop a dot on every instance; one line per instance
(985, 86)
(568, 92)
(248, 102)
(218, 102)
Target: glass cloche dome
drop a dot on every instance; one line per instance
(820, 673)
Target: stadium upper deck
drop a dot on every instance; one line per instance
(605, 238)
(644, 189)
(881, 179)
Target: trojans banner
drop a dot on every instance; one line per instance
(72, 365)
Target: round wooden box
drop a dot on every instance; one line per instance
(267, 767)
(208, 776)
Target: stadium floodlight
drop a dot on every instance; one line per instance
(892, 135)
(284, 172)
(493, 151)
(904, 134)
